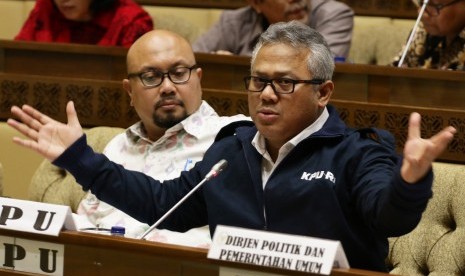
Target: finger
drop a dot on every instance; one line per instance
(23, 129)
(27, 144)
(36, 114)
(20, 114)
(443, 138)
(72, 115)
(22, 142)
(414, 126)
(25, 118)
(438, 143)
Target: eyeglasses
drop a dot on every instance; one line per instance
(435, 9)
(153, 78)
(281, 85)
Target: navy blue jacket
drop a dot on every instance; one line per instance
(339, 183)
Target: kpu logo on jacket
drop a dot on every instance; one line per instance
(318, 175)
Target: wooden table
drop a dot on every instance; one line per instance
(95, 254)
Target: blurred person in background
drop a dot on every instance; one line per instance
(100, 22)
(439, 42)
(237, 31)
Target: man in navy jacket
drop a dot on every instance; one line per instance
(299, 169)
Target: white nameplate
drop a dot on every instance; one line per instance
(31, 256)
(290, 252)
(34, 217)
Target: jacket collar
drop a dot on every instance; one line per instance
(333, 127)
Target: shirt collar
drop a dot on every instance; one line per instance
(191, 125)
(259, 141)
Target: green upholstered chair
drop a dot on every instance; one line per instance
(437, 245)
(54, 185)
(377, 40)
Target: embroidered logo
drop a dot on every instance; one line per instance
(318, 175)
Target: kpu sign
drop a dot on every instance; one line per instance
(31, 256)
(33, 217)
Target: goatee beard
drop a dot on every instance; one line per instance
(169, 120)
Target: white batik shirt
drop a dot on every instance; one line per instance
(178, 150)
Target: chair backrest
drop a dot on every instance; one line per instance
(51, 184)
(437, 245)
(378, 40)
(187, 22)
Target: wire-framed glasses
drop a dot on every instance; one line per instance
(153, 78)
(280, 85)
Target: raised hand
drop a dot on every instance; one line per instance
(46, 136)
(420, 153)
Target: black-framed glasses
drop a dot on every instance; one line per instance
(280, 85)
(435, 9)
(153, 78)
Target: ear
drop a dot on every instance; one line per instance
(127, 87)
(255, 4)
(325, 92)
(199, 73)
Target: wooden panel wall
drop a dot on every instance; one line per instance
(48, 75)
(97, 102)
(387, 8)
(357, 82)
(106, 103)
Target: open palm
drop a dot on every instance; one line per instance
(48, 137)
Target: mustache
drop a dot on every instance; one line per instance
(168, 100)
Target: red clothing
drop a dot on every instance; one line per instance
(120, 26)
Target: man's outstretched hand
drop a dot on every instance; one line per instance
(46, 136)
(420, 153)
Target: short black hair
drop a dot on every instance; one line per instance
(102, 5)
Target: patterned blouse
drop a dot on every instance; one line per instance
(431, 52)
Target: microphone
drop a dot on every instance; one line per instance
(414, 31)
(215, 170)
